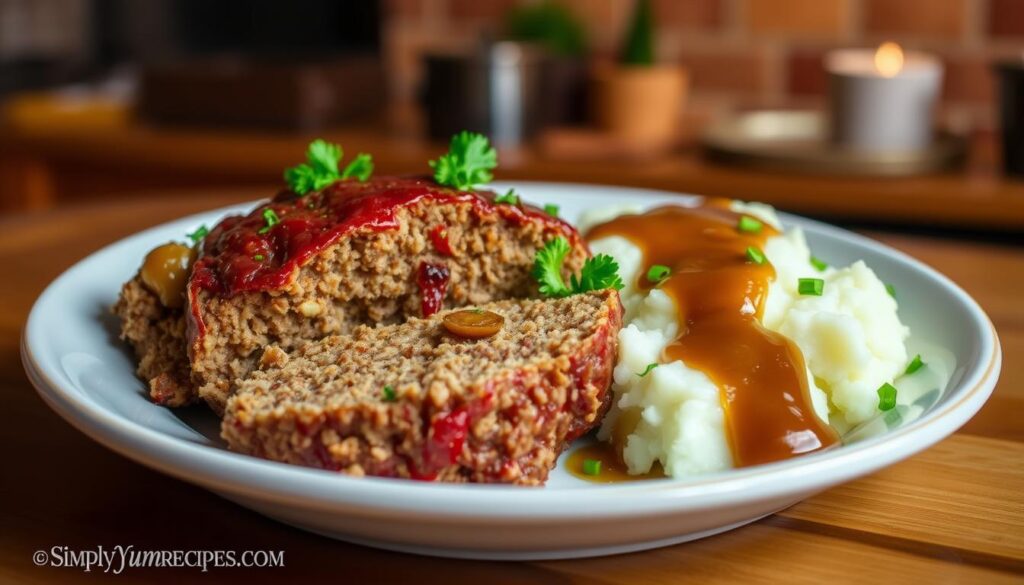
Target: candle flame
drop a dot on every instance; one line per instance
(889, 59)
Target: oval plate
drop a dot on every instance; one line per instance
(73, 357)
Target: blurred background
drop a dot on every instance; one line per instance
(903, 114)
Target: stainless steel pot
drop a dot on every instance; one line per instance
(506, 90)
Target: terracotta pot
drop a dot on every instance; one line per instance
(637, 103)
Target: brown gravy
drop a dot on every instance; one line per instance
(720, 294)
(613, 470)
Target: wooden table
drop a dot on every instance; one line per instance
(54, 158)
(954, 513)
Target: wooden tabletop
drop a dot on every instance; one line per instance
(59, 157)
(954, 513)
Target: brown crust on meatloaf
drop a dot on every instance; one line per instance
(519, 397)
(368, 277)
(157, 335)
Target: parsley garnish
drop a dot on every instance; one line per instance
(388, 394)
(647, 370)
(361, 167)
(551, 209)
(321, 168)
(511, 198)
(598, 273)
(198, 235)
(271, 218)
(468, 162)
(258, 257)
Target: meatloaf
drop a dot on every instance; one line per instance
(301, 268)
(157, 333)
(415, 401)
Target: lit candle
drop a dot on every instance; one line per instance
(883, 99)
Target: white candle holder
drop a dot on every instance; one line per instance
(882, 100)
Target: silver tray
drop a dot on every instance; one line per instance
(797, 141)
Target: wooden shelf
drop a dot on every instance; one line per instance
(77, 161)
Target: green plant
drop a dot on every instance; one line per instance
(639, 46)
(548, 24)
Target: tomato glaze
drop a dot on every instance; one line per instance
(241, 255)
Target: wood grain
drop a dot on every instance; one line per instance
(84, 162)
(954, 513)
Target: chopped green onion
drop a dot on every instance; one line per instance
(647, 370)
(886, 397)
(592, 466)
(271, 218)
(754, 255)
(811, 286)
(819, 264)
(258, 257)
(478, 311)
(510, 198)
(914, 365)
(750, 225)
(658, 273)
(198, 235)
(388, 394)
(891, 290)
(551, 209)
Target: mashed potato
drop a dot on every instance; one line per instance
(850, 336)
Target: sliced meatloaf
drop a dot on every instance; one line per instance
(415, 401)
(157, 333)
(301, 268)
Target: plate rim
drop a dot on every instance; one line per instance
(315, 489)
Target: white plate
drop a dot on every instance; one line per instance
(72, 355)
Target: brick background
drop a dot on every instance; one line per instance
(939, 19)
(798, 18)
(748, 53)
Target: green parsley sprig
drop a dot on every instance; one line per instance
(321, 168)
(598, 273)
(509, 198)
(198, 235)
(468, 162)
(270, 218)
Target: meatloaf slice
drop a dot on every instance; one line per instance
(415, 401)
(301, 268)
(157, 334)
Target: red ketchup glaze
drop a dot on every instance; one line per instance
(237, 258)
(594, 368)
(433, 282)
(439, 237)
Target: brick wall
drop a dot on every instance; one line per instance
(752, 53)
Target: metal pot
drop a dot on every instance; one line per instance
(498, 90)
